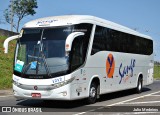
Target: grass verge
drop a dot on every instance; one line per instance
(6, 64)
(156, 71)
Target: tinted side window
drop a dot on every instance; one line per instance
(106, 39)
(144, 46)
(80, 46)
(99, 40)
(77, 58)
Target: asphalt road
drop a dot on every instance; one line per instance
(119, 103)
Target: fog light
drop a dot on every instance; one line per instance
(64, 93)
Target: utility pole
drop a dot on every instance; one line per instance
(11, 15)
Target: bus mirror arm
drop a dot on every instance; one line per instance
(70, 38)
(6, 42)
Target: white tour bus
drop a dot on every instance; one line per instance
(77, 56)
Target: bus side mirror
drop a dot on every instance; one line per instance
(6, 42)
(70, 38)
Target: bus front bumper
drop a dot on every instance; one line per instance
(61, 93)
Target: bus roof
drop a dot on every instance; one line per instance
(77, 19)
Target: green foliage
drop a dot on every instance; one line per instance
(23, 8)
(157, 71)
(6, 64)
(20, 8)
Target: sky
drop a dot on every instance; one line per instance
(140, 14)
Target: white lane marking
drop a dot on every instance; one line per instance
(113, 114)
(80, 113)
(138, 113)
(7, 96)
(118, 103)
(92, 110)
(155, 95)
(133, 99)
(142, 102)
(133, 113)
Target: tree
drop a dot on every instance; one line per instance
(18, 10)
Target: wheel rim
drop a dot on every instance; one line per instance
(140, 86)
(92, 92)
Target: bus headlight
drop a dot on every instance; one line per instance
(57, 85)
(45, 87)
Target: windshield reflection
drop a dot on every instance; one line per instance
(45, 49)
(40, 52)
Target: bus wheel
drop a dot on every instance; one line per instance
(139, 85)
(92, 93)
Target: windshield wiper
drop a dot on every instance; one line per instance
(45, 64)
(25, 69)
(43, 56)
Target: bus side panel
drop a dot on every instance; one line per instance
(79, 87)
(150, 70)
(127, 69)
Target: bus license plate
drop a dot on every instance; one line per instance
(36, 95)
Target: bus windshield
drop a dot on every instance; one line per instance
(41, 52)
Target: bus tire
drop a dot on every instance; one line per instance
(92, 93)
(139, 85)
